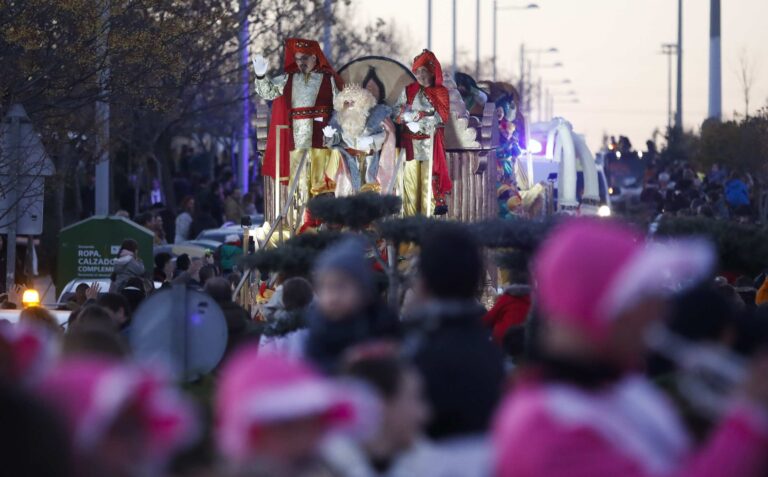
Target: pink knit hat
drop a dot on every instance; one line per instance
(256, 390)
(25, 353)
(90, 393)
(588, 271)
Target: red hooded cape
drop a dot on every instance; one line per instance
(438, 96)
(281, 107)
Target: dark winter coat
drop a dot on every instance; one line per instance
(462, 368)
(329, 340)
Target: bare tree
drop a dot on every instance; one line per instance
(746, 73)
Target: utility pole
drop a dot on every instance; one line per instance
(245, 139)
(550, 106)
(669, 49)
(539, 112)
(521, 89)
(14, 140)
(429, 25)
(679, 111)
(495, 24)
(477, 39)
(103, 177)
(453, 60)
(715, 109)
(529, 92)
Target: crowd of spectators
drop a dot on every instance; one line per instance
(682, 191)
(326, 379)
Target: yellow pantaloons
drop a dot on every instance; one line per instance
(318, 177)
(417, 188)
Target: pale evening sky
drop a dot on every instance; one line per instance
(610, 50)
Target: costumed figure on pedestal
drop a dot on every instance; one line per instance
(506, 156)
(423, 109)
(515, 193)
(301, 107)
(358, 132)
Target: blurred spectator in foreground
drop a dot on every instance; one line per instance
(118, 305)
(93, 330)
(272, 414)
(122, 420)
(396, 448)
(33, 438)
(43, 319)
(348, 309)
(584, 410)
(462, 368)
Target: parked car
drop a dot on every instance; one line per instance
(221, 233)
(68, 291)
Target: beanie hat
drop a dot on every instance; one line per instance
(90, 393)
(256, 390)
(588, 271)
(25, 353)
(348, 256)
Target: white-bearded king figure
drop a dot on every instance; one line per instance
(361, 132)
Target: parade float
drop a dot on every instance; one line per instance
(500, 167)
(553, 169)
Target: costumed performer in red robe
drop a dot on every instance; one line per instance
(303, 101)
(424, 108)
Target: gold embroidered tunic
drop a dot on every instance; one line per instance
(304, 94)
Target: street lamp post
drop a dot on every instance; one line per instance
(243, 176)
(429, 25)
(715, 80)
(669, 49)
(558, 64)
(568, 97)
(453, 55)
(477, 39)
(530, 6)
(521, 86)
(679, 112)
(548, 97)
